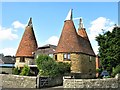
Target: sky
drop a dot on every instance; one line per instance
(48, 20)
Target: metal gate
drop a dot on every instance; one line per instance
(42, 82)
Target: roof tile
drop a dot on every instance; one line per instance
(28, 43)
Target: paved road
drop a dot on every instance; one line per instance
(49, 88)
(52, 88)
(58, 87)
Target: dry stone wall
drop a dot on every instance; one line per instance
(113, 83)
(16, 81)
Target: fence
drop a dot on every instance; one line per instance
(49, 81)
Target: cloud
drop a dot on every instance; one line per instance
(96, 49)
(52, 40)
(17, 24)
(8, 51)
(98, 25)
(7, 34)
(10, 33)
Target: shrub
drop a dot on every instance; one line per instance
(63, 68)
(25, 71)
(97, 70)
(16, 71)
(116, 70)
(49, 67)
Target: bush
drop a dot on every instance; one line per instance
(25, 71)
(49, 67)
(16, 71)
(63, 68)
(116, 70)
(97, 70)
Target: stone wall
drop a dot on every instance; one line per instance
(80, 63)
(16, 81)
(93, 83)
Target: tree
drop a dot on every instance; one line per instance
(109, 48)
(25, 71)
(48, 67)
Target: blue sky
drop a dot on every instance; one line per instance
(48, 20)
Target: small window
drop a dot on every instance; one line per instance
(55, 57)
(66, 56)
(22, 59)
(90, 59)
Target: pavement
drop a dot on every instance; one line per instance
(52, 88)
(48, 88)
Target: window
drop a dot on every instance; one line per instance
(66, 56)
(55, 57)
(90, 59)
(22, 59)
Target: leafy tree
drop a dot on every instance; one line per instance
(25, 71)
(48, 67)
(109, 48)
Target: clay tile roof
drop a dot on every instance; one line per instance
(28, 42)
(69, 41)
(86, 46)
(82, 33)
(84, 40)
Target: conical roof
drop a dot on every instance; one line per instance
(84, 40)
(87, 48)
(82, 33)
(28, 42)
(69, 41)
